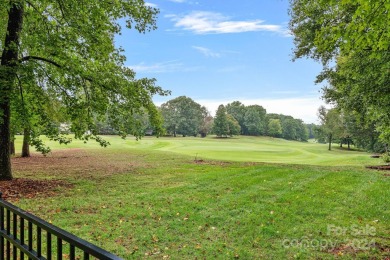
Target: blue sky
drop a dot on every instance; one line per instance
(219, 51)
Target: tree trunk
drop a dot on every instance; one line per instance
(26, 143)
(12, 146)
(8, 72)
(330, 142)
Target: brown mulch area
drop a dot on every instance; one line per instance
(220, 163)
(46, 176)
(72, 164)
(27, 188)
(380, 167)
(352, 251)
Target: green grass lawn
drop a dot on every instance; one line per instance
(250, 198)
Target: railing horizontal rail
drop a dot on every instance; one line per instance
(60, 235)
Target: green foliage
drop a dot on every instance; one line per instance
(255, 120)
(234, 126)
(386, 157)
(325, 29)
(332, 124)
(292, 129)
(206, 125)
(275, 128)
(221, 124)
(237, 110)
(311, 130)
(353, 35)
(183, 115)
(63, 53)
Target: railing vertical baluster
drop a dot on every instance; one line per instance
(15, 234)
(8, 233)
(30, 236)
(21, 231)
(39, 241)
(59, 248)
(20, 240)
(1, 228)
(48, 242)
(8, 221)
(72, 255)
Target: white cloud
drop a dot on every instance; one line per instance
(162, 67)
(207, 52)
(215, 23)
(151, 4)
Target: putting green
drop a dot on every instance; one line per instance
(251, 149)
(241, 148)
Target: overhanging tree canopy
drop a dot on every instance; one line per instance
(69, 48)
(352, 40)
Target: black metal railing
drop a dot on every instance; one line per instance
(25, 236)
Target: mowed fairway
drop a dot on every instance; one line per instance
(259, 149)
(247, 149)
(249, 198)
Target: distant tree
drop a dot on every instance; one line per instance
(275, 128)
(221, 124)
(331, 124)
(362, 133)
(310, 129)
(182, 115)
(303, 134)
(255, 120)
(290, 129)
(206, 125)
(234, 126)
(238, 110)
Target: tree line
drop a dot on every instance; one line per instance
(351, 40)
(346, 128)
(183, 116)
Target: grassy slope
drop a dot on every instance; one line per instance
(164, 204)
(244, 149)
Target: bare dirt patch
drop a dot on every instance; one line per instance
(71, 164)
(353, 251)
(45, 176)
(219, 163)
(26, 188)
(380, 167)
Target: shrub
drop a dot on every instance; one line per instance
(386, 157)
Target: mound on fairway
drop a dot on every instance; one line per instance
(250, 149)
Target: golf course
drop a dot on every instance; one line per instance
(213, 198)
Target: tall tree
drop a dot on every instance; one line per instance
(221, 124)
(69, 45)
(182, 115)
(352, 40)
(234, 126)
(237, 110)
(255, 120)
(331, 124)
(275, 128)
(292, 129)
(207, 124)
